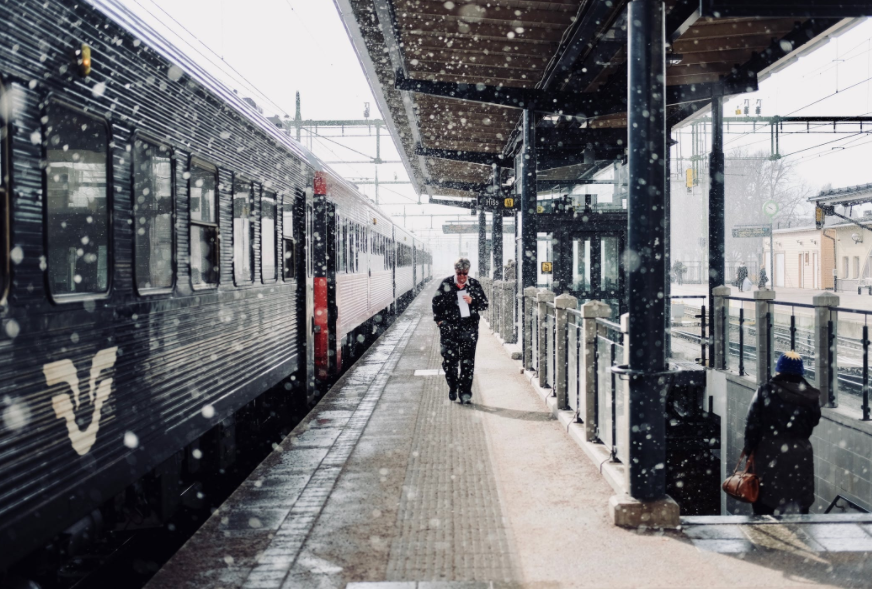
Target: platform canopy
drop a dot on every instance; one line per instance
(451, 77)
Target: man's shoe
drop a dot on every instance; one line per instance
(465, 399)
(452, 395)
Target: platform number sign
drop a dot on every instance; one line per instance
(547, 268)
(509, 203)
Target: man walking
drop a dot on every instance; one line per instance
(456, 307)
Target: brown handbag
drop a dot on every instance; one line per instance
(743, 486)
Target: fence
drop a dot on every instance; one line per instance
(572, 351)
(503, 308)
(750, 334)
(697, 272)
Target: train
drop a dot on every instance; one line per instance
(167, 255)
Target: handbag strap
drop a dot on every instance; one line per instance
(749, 464)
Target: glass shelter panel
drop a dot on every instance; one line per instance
(77, 207)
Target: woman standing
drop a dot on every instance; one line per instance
(780, 421)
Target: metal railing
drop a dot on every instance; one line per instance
(835, 353)
(681, 328)
(609, 352)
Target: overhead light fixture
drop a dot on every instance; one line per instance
(674, 58)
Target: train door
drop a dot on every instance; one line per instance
(310, 294)
(393, 246)
(324, 285)
(370, 238)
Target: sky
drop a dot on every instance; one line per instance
(271, 49)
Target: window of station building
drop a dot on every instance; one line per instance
(268, 237)
(856, 266)
(243, 247)
(288, 244)
(152, 215)
(5, 166)
(205, 249)
(78, 221)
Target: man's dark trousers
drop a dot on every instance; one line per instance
(458, 354)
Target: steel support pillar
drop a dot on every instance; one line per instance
(497, 229)
(482, 244)
(647, 274)
(717, 230)
(526, 263)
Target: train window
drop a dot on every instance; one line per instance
(5, 115)
(268, 236)
(153, 215)
(205, 249)
(288, 244)
(78, 221)
(340, 245)
(243, 250)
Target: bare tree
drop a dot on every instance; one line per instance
(752, 180)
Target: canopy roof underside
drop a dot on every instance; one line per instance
(576, 47)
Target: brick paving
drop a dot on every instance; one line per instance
(389, 485)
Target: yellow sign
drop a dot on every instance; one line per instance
(540, 209)
(819, 218)
(689, 181)
(547, 267)
(509, 203)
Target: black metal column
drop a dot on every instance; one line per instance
(717, 229)
(646, 276)
(526, 264)
(667, 241)
(482, 244)
(497, 229)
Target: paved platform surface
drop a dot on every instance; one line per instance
(389, 485)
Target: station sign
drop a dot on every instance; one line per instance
(496, 202)
(467, 228)
(752, 231)
(547, 268)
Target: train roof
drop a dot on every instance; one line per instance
(134, 25)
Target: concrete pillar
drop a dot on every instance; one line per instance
(508, 318)
(590, 312)
(561, 364)
(826, 364)
(530, 299)
(763, 319)
(720, 323)
(542, 299)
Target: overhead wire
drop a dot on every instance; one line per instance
(245, 81)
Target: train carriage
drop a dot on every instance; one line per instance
(162, 257)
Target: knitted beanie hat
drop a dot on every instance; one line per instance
(790, 363)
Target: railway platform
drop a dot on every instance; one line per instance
(388, 484)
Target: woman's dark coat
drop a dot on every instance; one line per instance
(780, 421)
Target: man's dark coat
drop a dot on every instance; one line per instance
(446, 309)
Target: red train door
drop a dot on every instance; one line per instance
(325, 312)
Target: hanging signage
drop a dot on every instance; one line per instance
(752, 231)
(465, 228)
(785, 8)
